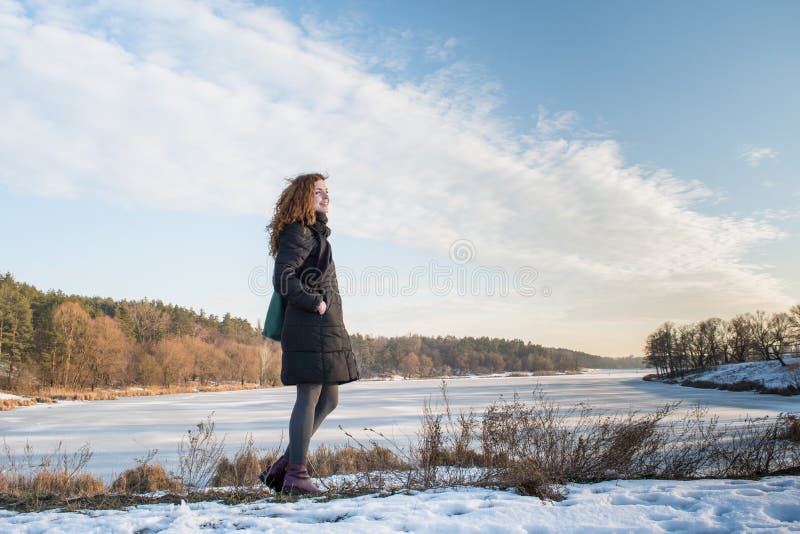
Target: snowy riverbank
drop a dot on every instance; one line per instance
(764, 377)
(767, 505)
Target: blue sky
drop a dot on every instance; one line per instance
(638, 157)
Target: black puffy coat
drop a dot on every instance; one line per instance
(316, 348)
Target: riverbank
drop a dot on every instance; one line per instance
(763, 377)
(9, 401)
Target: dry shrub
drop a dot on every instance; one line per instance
(790, 428)
(538, 446)
(199, 453)
(54, 478)
(243, 470)
(348, 459)
(146, 477)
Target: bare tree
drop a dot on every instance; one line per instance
(761, 334)
(106, 360)
(692, 346)
(72, 324)
(175, 359)
(710, 343)
(794, 315)
(660, 349)
(147, 323)
(780, 332)
(739, 337)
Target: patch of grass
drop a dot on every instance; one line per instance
(146, 477)
(10, 404)
(49, 480)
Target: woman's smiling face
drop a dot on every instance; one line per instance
(321, 198)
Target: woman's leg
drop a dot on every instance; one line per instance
(314, 403)
(301, 423)
(328, 400)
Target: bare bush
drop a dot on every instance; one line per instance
(199, 452)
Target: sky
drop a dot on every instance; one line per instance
(567, 173)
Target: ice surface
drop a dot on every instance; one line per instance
(120, 430)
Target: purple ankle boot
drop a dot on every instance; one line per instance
(273, 477)
(298, 482)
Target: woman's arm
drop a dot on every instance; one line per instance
(293, 249)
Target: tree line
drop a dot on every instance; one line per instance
(421, 356)
(51, 339)
(675, 350)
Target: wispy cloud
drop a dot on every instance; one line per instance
(754, 155)
(185, 106)
(442, 50)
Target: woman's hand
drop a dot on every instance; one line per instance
(322, 307)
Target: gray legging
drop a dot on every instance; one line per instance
(314, 403)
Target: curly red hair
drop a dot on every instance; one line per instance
(296, 203)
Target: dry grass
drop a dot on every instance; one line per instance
(244, 469)
(146, 477)
(199, 454)
(9, 404)
(50, 479)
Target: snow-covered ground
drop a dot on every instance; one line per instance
(8, 396)
(121, 430)
(769, 374)
(767, 505)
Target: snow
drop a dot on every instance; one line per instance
(9, 396)
(118, 431)
(769, 374)
(767, 505)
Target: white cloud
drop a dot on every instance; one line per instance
(185, 106)
(442, 50)
(754, 155)
(560, 123)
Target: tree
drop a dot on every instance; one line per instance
(425, 365)
(761, 334)
(780, 333)
(148, 371)
(709, 339)
(106, 360)
(409, 365)
(269, 368)
(146, 322)
(16, 327)
(72, 325)
(244, 362)
(794, 316)
(174, 358)
(739, 337)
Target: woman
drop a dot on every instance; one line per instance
(317, 356)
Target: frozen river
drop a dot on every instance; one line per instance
(121, 430)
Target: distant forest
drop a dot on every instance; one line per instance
(54, 340)
(678, 349)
